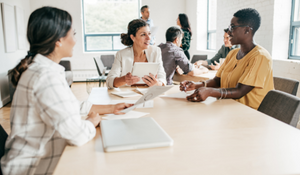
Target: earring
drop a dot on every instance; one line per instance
(60, 44)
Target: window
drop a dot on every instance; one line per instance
(211, 24)
(294, 50)
(104, 21)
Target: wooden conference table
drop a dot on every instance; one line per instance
(210, 75)
(211, 137)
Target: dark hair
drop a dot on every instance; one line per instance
(248, 17)
(45, 27)
(143, 8)
(172, 33)
(226, 30)
(184, 22)
(132, 28)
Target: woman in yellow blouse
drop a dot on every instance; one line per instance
(246, 75)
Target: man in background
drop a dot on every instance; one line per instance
(214, 63)
(145, 12)
(173, 56)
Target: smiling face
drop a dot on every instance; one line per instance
(237, 34)
(227, 42)
(142, 38)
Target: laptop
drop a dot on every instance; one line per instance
(131, 134)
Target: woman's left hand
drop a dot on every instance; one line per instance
(120, 106)
(200, 94)
(150, 80)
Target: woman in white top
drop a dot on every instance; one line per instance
(45, 115)
(139, 50)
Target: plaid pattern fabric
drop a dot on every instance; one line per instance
(45, 116)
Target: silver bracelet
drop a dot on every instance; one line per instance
(221, 94)
(225, 93)
(204, 82)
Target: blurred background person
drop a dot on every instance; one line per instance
(173, 56)
(184, 24)
(145, 12)
(214, 63)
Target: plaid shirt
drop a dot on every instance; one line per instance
(186, 39)
(45, 116)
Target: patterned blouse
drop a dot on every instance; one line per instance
(186, 40)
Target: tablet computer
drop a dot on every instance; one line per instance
(142, 69)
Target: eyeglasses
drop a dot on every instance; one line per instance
(230, 27)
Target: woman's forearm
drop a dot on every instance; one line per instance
(235, 93)
(119, 81)
(102, 109)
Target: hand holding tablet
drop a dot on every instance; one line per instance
(130, 79)
(143, 70)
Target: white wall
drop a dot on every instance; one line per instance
(9, 60)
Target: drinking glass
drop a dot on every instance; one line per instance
(91, 83)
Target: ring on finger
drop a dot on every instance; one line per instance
(195, 98)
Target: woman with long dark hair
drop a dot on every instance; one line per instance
(45, 115)
(184, 24)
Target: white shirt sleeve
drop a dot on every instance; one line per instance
(161, 71)
(115, 71)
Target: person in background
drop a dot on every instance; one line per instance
(145, 12)
(222, 53)
(247, 74)
(173, 56)
(45, 115)
(139, 50)
(184, 24)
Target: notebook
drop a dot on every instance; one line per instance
(131, 134)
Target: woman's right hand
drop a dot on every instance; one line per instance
(94, 118)
(130, 79)
(187, 85)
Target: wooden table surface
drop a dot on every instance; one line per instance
(210, 75)
(211, 137)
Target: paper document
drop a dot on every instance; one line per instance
(147, 104)
(125, 94)
(142, 91)
(152, 92)
(99, 96)
(180, 94)
(131, 114)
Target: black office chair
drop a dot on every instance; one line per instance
(107, 61)
(102, 78)
(196, 58)
(286, 85)
(3, 137)
(282, 106)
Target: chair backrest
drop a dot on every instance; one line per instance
(196, 58)
(3, 137)
(107, 61)
(286, 85)
(98, 68)
(66, 64)
(282, 106)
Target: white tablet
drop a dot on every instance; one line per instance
(142, 69)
